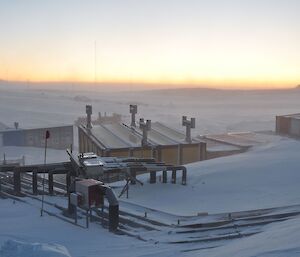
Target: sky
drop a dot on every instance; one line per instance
(215, 43)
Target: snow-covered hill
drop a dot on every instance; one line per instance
(264, 177)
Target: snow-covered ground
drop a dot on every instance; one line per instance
(267, 176)
(277, 240)
(22, 222)
(24, 233)
(264, 177)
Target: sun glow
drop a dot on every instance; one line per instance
(219, 48)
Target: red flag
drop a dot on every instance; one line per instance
(47, 134)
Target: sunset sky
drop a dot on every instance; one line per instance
(217, 43)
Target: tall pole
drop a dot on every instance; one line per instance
(43, 182)
(95, 63)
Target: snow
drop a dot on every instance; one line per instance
(22, 222)
(14, 248)
(24, 233)
(264, 177)
(278, 240)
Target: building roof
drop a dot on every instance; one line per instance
(3, 126)
(294, 115)
(118, 135)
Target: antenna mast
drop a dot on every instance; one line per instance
(95, 63)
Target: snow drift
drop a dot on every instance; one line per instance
(13, 248)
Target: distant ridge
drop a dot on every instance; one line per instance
(196, 89)
(128, 87)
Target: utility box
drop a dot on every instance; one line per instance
(90, 193)
(76, 199)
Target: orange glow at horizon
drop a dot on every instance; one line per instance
(239, 44)
(157, 77)
(155, 66)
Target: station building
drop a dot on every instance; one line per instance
(288, 124)
(120, 140)
(61, 137)
(165, 144)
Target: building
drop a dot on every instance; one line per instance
(288, 124)
(120, 140)
(61, 137)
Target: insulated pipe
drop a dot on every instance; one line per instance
(173, 176)
(152, 177)
(188, 133)
(164, 178)
(88, 109)
(133, 111)
(145, 127)
(189, 124)
(184, 173)
(113, 208)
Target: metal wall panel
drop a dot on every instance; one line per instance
(295, 127)
(170, 154)
(142, 153)
(283, 124)
(119, 152)
(13, 138)
(190, 153)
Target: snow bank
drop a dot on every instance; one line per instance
(22, 222)
(278, 240)
(263, 178)
(13, 248)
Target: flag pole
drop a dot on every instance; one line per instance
(47, 135)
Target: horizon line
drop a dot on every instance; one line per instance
(163, 85)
